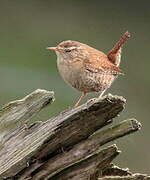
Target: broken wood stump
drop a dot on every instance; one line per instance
(66, 147)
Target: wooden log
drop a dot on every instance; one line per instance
(83, 149)
(87, 168)
(20, 112)
(133, 177)
(68, 145)
(116, 173)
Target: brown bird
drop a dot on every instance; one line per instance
(88, 69)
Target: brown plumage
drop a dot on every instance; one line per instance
(88, 69)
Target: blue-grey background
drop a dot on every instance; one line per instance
(28, 27)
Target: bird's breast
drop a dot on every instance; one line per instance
(70, 71)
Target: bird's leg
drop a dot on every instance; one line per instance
(101, 94)
(93, 99)
(81, 97)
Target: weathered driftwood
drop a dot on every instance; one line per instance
(115, 173)
(65, 147)
(132, 177)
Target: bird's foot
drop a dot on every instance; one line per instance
(91, 101)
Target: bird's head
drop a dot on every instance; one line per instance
(69, 49)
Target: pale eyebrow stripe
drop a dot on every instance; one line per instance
(71, 48)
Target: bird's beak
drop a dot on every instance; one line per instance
(52, 48)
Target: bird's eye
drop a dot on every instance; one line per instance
(67, 50)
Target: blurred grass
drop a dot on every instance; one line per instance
(28, 27)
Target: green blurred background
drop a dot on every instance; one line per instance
(27, 27)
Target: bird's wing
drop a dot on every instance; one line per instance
(98, 63)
